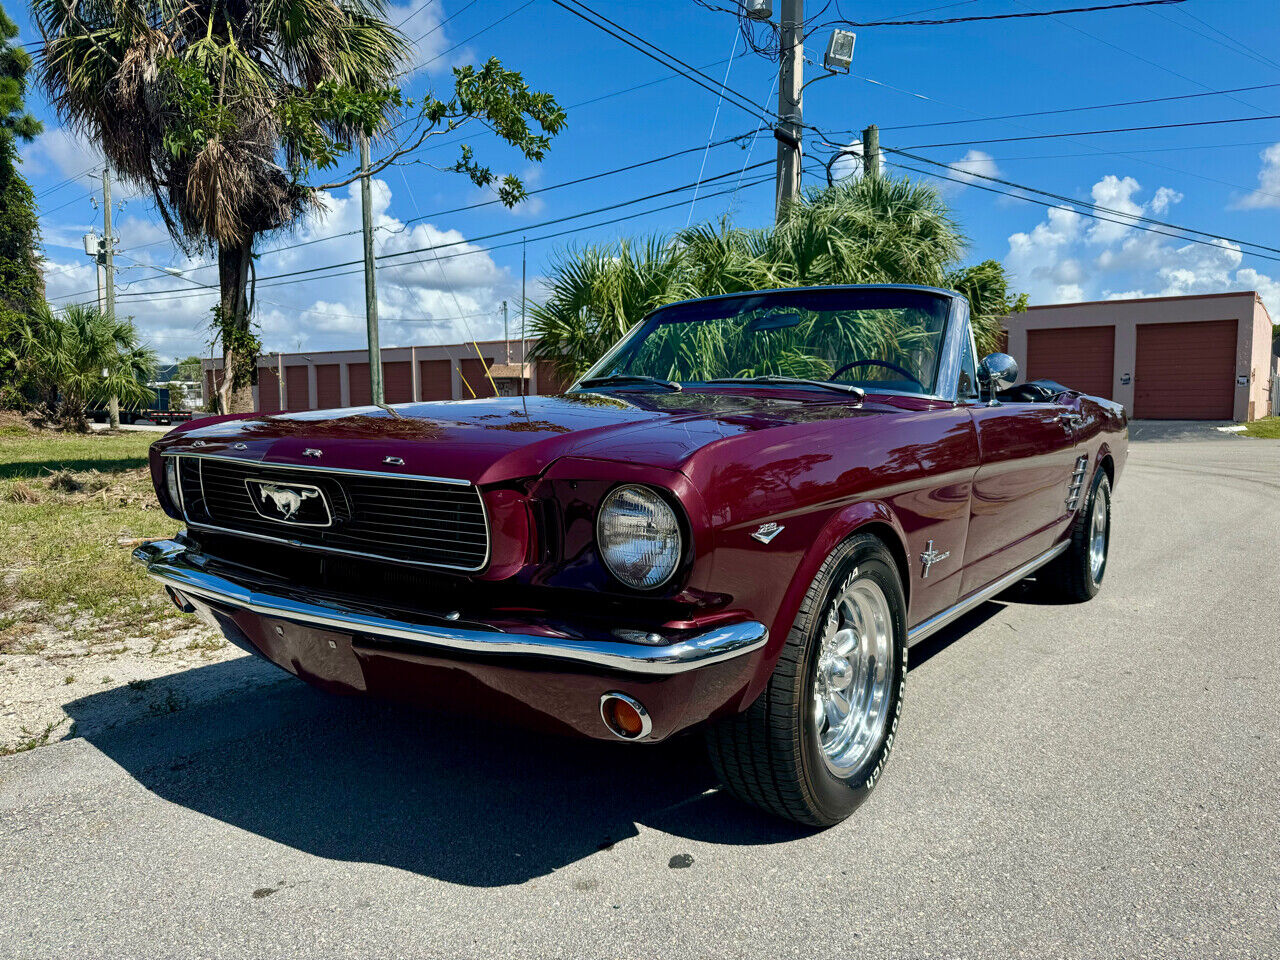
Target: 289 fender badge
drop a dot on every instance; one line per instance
(767, 531)
(312, 452)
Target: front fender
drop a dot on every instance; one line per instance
(841, 525)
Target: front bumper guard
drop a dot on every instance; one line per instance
(187, 572)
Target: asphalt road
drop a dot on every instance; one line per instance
(1088, 781)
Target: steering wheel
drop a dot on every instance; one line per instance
(879, 363)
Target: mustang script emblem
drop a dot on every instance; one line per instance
(930, 557)
(288, 503)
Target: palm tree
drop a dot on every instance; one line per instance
(597, 294)
(870, 230)
(194, 101)
(80, 358)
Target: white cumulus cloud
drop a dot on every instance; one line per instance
(1066, 257)
(1268, 192)
(975, 162)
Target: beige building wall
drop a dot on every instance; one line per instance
(1253, 337)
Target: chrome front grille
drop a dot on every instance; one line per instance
(429, 521)
(1077, 482)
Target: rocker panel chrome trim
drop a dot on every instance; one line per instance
(981, 595)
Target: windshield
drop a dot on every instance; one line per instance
(880, 339)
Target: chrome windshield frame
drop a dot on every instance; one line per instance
(950, 349)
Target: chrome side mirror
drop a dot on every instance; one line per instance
(997, 371)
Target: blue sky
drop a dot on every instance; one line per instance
(1222, 179)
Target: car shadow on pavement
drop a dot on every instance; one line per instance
(466, 801)
(934, 644)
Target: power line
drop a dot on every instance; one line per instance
(414, 13)
(1097, 150)
(1134, 221)
(1126, 152)
(80, 199)
(1235, 46)
(486, 203)
(1060, 110)
(1091, 133)
(1005, 16)
(486, 29)
(441, 23)
(689, 72)
(500, 233)
(546, 236)
(177, 294)
(1243, 46)
(1137, 56)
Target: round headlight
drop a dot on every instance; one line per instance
(639, 537)
(171, 482)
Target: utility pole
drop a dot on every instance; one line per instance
(790, 96)
(506, 332)
(524, 344)
(871, 151)
(370, 280)
(108, 263)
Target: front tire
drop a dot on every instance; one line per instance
(1076, 575)
(814, 744)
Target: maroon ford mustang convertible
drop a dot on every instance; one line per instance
(741, 518)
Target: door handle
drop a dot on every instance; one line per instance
(1069, 419)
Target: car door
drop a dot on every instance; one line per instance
(1027, 454)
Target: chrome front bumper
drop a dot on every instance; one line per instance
(190, 573)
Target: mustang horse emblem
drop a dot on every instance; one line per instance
(287, 500)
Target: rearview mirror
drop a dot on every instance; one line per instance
(997, 371)
(774, 321)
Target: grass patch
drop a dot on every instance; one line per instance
(65, 502)
(31, 740)
(1268, 428)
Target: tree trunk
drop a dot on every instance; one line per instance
(235, 393)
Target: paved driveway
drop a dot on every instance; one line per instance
(1096, 781)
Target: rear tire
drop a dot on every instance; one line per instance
(1076, 575)
(814, 744)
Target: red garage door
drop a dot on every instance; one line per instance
(328, 386)
(476, 374)
(436, 380)
(268, 390)
(358, 385)
(1082, 358)
(297, 388)
(1185, 371)
(397, 382)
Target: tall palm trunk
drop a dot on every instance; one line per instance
(235, 393)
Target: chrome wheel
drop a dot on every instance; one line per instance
(1099, 531)
(853, 673)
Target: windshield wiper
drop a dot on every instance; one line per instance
(797, 381)
(621, 379)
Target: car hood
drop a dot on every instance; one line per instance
(506, 438)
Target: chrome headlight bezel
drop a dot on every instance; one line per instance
(609, 542)
(172, 483)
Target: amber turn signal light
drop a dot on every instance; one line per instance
(625, 717)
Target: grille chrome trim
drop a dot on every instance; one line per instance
(322, 548)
